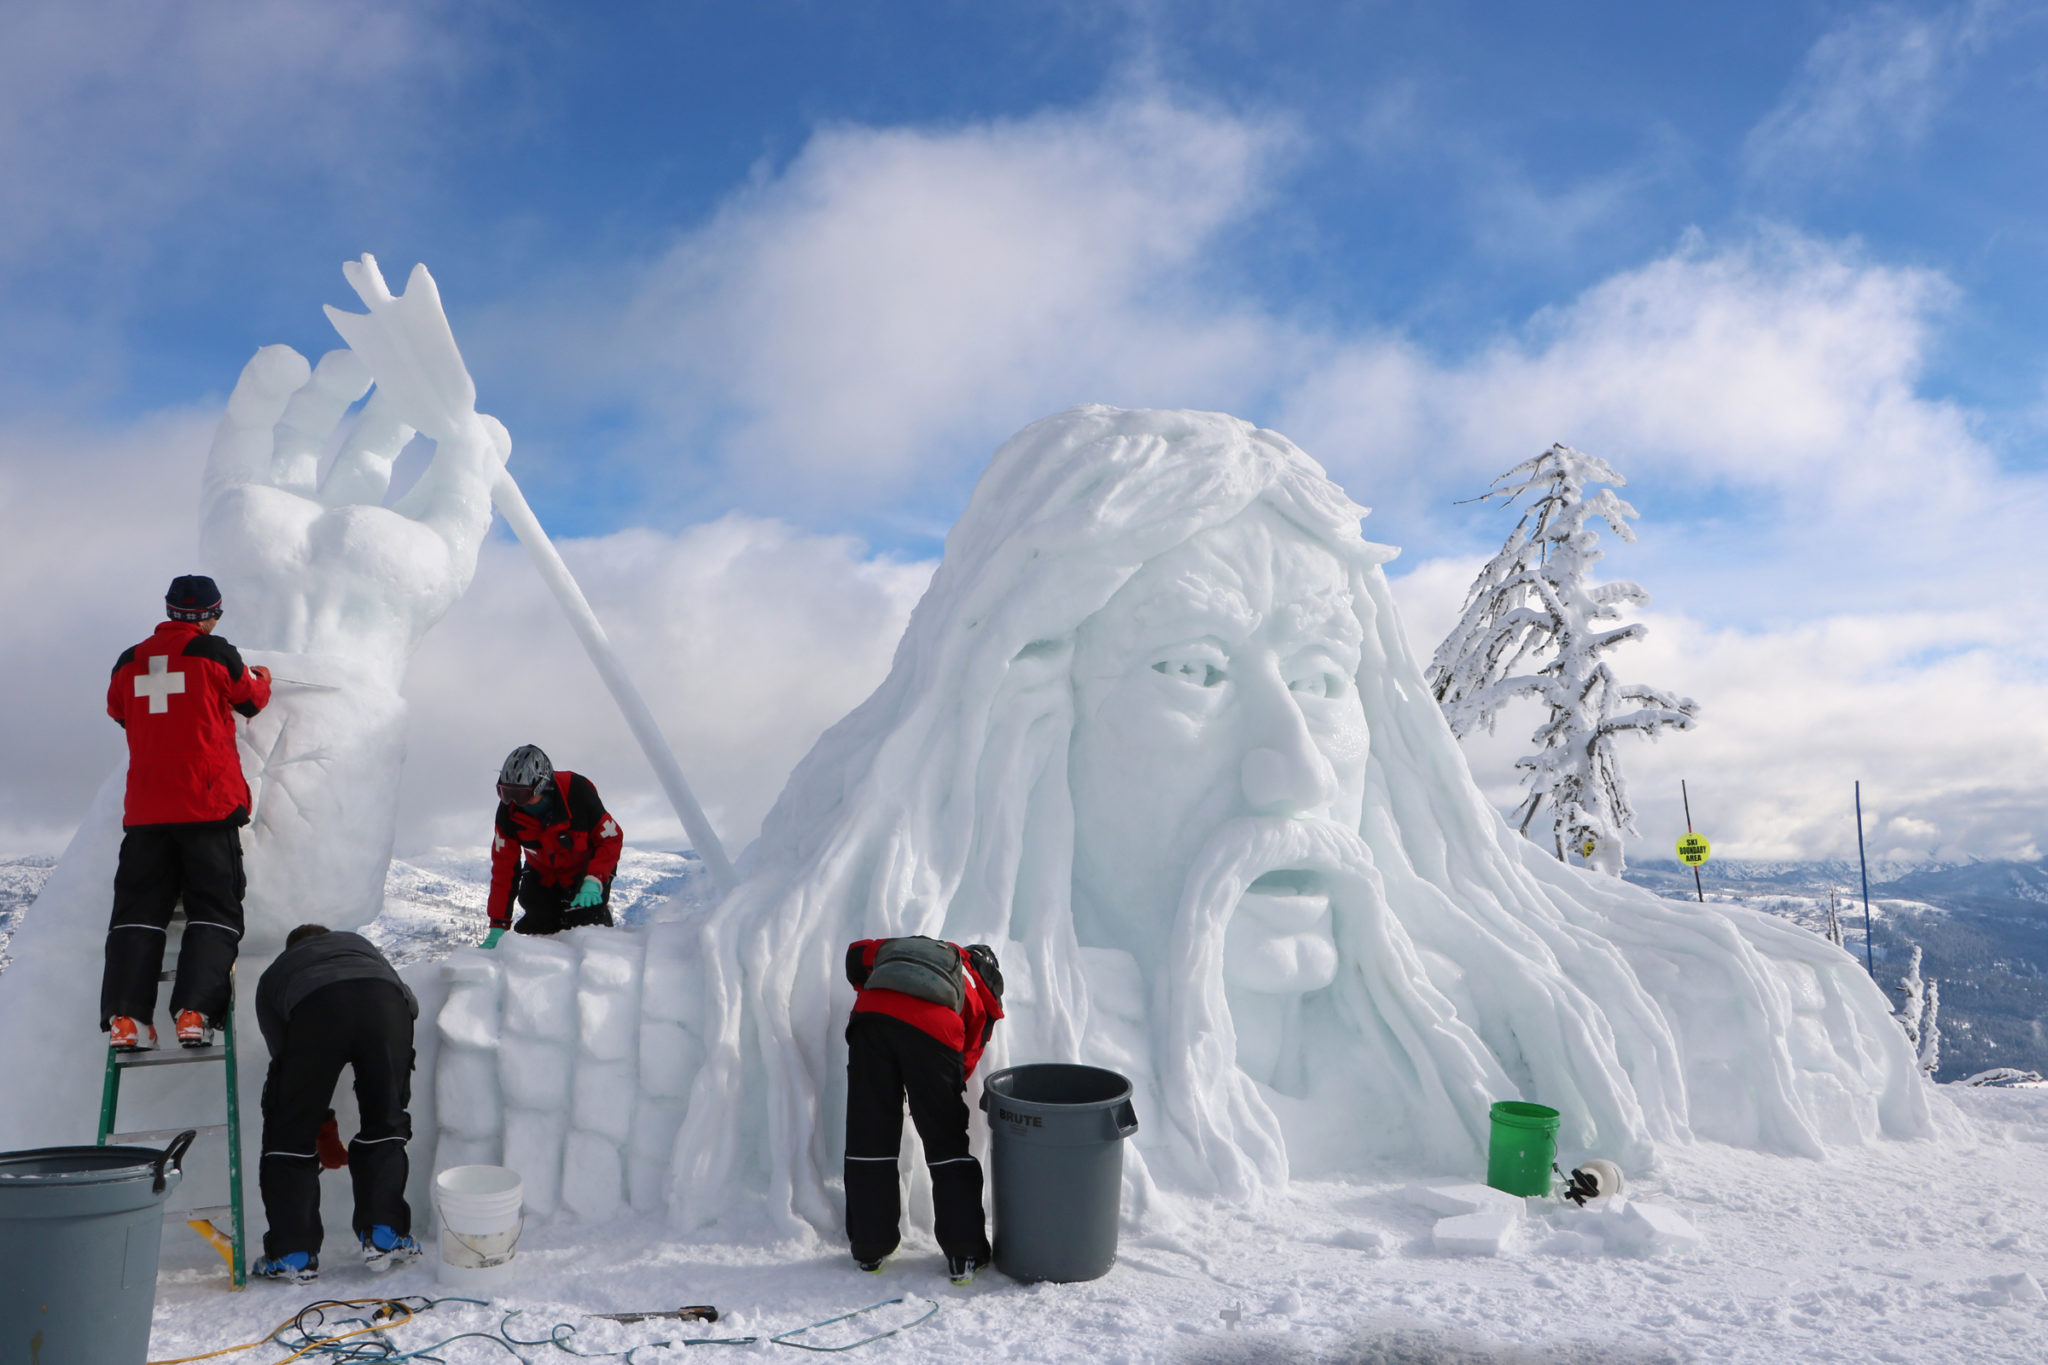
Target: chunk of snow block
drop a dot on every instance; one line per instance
(533, 1147)
(1360, 1239)
(534, 1074)
(608, 998)
(540, 987)
(593, 1177)
(655, 1124)
(469, 1018)
(1651, 1227)
(602, 1100)
(669, 1059)
(1476, 1234)
(672, 984)
(2020, 1290)
(466, 1099)
(1455, 1198)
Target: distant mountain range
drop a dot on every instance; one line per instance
(1982, 928)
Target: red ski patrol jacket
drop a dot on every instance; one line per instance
(578, 839)
(177, 694)
(967, 1029)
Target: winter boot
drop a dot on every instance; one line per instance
(960, 1269)
(386, 1249)
(871, 1264)
(294, 1267)
(193, 1030)
(130, 1035)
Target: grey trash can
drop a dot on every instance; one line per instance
(80, 1228)
(1057, 1148)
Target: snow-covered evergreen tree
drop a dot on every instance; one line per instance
(1834, 917)
(1920, 1014)
(1534, 627)
(1930, 1031)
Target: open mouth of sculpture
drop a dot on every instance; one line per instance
(1289, 900)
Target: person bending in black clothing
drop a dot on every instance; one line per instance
(331, 1000)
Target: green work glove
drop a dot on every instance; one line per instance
(589, 894)
(491, 939)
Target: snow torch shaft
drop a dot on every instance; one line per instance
(512, 504)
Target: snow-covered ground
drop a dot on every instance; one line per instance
(1899, 1252)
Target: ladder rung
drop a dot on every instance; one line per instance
(171, 1056)
(159, 1136)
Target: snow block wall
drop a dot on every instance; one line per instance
(546, 1066)
(1154, 733)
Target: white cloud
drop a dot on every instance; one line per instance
(895, 301)
(1940, 715)
(1876, 80)
(1781, 364)
(746, 637)
(93, 527)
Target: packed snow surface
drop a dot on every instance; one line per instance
(1920, 1252)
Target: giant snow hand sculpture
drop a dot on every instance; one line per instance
(333, 590)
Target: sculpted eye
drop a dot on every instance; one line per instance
(1198, 672)
(1318, 685)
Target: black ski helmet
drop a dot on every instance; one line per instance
(525, 777)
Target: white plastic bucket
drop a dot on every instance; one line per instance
(480, 1223)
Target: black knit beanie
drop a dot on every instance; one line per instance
(193, 597)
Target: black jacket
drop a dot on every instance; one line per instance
(319, 961)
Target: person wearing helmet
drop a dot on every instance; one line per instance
(177, 695)
(554, 851)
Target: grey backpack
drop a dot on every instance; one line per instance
(922, 967)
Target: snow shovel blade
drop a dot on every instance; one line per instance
(696, 1312)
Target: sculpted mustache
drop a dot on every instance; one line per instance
(1244, 850)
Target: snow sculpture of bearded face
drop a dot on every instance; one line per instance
(1218, 685)
(1154, 733)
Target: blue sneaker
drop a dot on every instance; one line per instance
(387, 1249)
(294, 1267)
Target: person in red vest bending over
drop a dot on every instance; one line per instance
(557, 825)
(924, 1012)
(177, 695)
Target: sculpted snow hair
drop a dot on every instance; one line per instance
(1350, 954)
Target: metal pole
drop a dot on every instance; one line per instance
(1697, 889)
(1869, 959)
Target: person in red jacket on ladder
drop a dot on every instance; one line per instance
(924, 1012)
(556, 825)
(177, 695)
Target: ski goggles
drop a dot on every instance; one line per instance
(513, 794)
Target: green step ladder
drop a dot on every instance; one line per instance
(232, 1241)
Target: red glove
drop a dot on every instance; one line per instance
(333, 1156)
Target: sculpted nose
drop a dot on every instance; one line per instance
(1286, 773)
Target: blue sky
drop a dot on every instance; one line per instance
(804, 265)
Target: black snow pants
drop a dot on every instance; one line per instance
(547, 907)
(888, 1060)
(367, 1025)
(160, 864)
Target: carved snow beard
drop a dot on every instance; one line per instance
(1402, 1045)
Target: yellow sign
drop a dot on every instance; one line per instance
(1586, 849)
(1694, 849)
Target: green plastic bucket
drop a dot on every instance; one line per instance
(1524, 1147)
